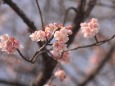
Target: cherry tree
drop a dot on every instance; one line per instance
(57, 45)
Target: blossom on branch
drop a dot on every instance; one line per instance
(9, 44)
(38, 36)
(60, 35)
(90, 29)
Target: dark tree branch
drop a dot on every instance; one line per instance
(41, 17)
(93, 44)
(78, 19)
(12, 83)
(91, 5)
(21, 14)
(96, 39)
(48, 66)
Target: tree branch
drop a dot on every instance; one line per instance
(12, 83)
(41, 17)
(93, 44)
(66, 13)
(22, 15)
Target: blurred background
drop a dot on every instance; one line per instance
(14, 69)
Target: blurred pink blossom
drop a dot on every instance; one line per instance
(61, 74)
(95, 60)
(9, 44)
(113, 84)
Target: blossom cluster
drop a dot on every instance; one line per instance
(58, 74)
(59, 46)
(61, 74)
(9, 44)
(60, 34)
(41, 35)
(90, 29)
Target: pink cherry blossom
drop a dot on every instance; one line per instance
(4, 37)
(38, 36)
(62, 35)
(60, 47)
(61, 74)
(70, 32)
(63, 57)
(90, 29)
(9, 44)
(51, 28)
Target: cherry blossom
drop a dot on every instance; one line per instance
(58, 52)
(57, 46)
(9, 44)
(61, 74)
(51, 28)
(90, 29)
(62, 35)
(38, 36)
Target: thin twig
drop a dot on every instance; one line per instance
(41, 17)
(93, 44)
(96, 39)
(34, 57)
(23, 56)
(11, 83)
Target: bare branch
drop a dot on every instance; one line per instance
(94, 44)
(21, 14)
(39, 9)
(12, 83)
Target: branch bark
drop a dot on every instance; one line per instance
(12, 83)
(22, 15)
